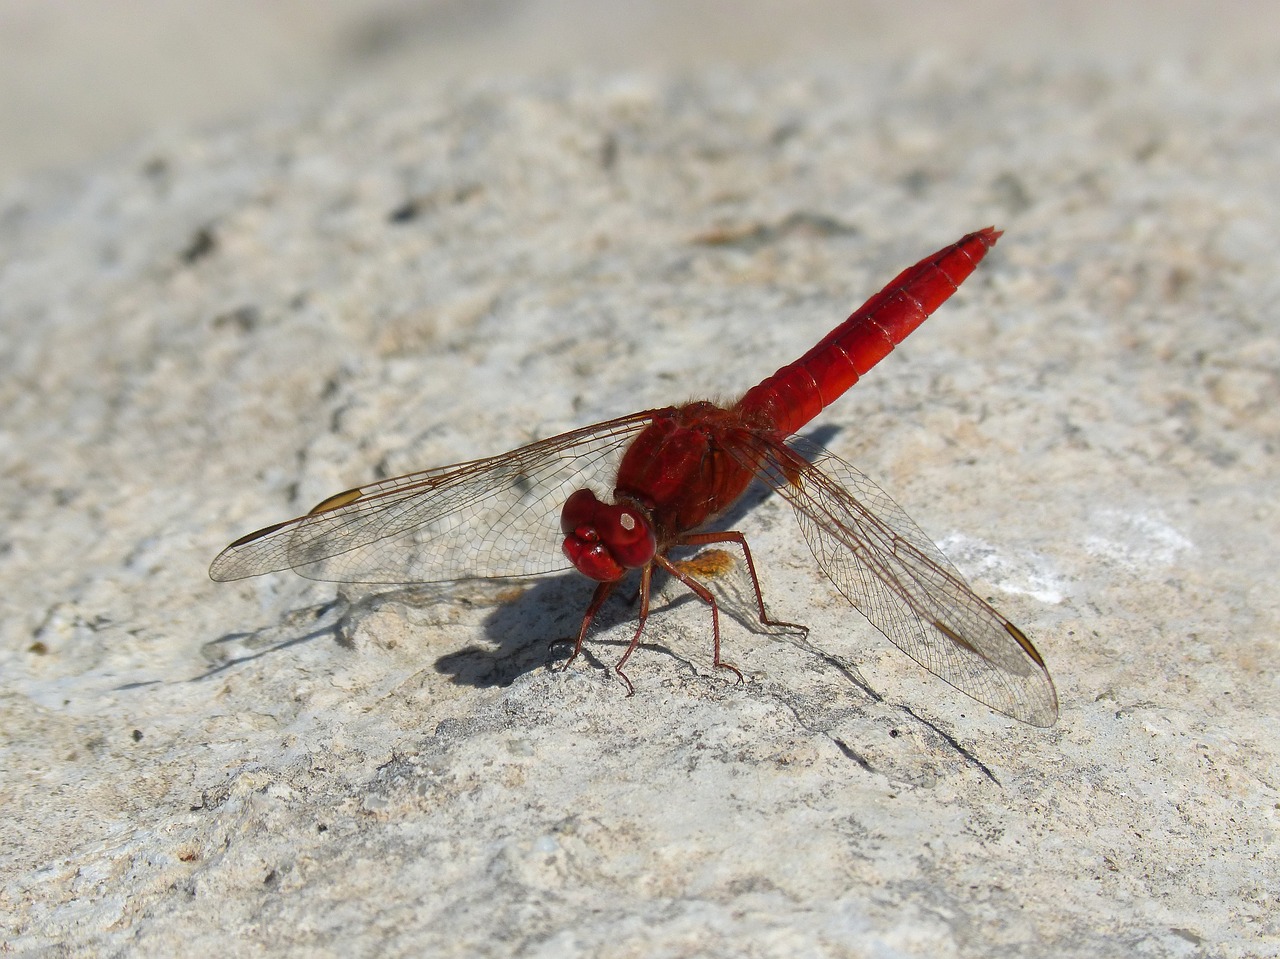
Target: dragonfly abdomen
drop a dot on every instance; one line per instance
(799, 391)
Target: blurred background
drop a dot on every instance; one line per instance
(79, 78)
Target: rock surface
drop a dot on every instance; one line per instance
(214, 332)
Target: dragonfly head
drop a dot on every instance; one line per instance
(604, 540)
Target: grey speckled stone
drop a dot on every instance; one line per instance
(213, 333)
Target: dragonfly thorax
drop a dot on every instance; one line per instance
(604, 540)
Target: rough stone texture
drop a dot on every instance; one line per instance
(214, 332)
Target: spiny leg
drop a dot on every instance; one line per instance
(646, 578)
(703, 594)
(732, 536)
(597, 600)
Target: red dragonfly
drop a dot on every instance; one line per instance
(665, 475)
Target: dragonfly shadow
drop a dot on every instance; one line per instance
(527, 616)
(537, 629)
(336, 619)
(235, 649)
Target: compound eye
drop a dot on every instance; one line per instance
(604, 540)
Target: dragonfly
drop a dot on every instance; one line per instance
(619, 496)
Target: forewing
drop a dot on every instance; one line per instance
(493, 517)
(894, 575)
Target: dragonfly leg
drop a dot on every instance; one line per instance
(732, 536)
(703, 594)
(597, 600)
(646, 578)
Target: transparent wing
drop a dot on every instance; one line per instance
(894, 575)
(492, 517)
